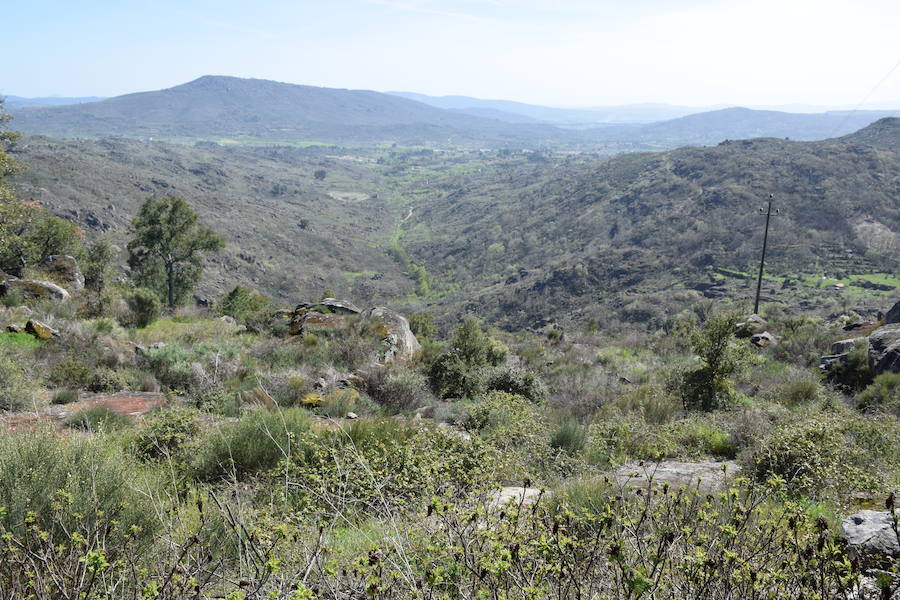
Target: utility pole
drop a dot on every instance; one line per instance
(762, 261)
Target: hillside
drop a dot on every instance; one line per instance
(215, 107)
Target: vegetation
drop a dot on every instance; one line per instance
(168, 246)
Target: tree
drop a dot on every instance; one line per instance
(168, 247)
(320, 174)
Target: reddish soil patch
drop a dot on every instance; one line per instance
(129, 404)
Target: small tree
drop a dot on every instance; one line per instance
(242, 303)
(320, 174)
(708, 386)
(166, 252)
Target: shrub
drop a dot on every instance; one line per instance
(171, 365)
(514, 381)
(829, 454)
(104, 379)
(569, 437)
(798, 391)
(64, 397)
(708, 386)
(422, 325)
(254, 443)
(15, 388)
(457, 371)
(397, 389)
(98, 419)
(40, 472)
(144, 306)
(882, 395)
(853, 374)
(166, 434)
(242, 304)
(12, 298)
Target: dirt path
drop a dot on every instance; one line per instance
(130, 404)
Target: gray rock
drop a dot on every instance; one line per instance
(884, 350)
(871, 533)
(844, 346)
(516, 495)
(893, 315)
(707, 476)
(763, 340)
(64, 269)
(338, 307)
(228, 320)
(826, 362)
(402, 345)
(33, 290)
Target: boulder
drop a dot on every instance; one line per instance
(33, 290)
(826, 362)
(870, 533)
(40, 330)
(401, 343)
(707, 476)
(893, 315)
(763, 340)
(525, 496)
(228, 320)
(316, 321)
(845, 346)
(63, 269)
(14, 328)
(338, 307)
(884, 350)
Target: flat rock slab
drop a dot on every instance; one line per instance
(871, 532)
(706, 476)
(517, 495)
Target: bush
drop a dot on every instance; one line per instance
(457, 371)
(171, 365)
(64, 397)
(397, 389)
(243, 304)
(166, 433)
(853, 374)
(41, 472)
(104, 379)
(97, 419)
(514, 381)
(12, 298)
(144, 306)
(254, 443)
(15, 388)
(830, 455)
(569, 437)
(882, 395)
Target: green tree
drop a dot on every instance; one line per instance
(166, 252)
(242, 303)
(97, 265)
(708, 385)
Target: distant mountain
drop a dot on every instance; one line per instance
(256, 109)
(710, 128)
(14, 102)
(628, 113)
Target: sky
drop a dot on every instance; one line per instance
(553, 52)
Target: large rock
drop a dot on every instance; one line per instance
(338, 307)
(893, 315)
(524, 496)
(33, 290)
(844, 346)
(311, 322)
(884, 350)
(64, 270)
(401, 342)
(40, 330)
(763, 340)
(870, 533)
(706, 476)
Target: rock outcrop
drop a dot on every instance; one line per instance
(844, 346)
(401, 343)
(308, 322)
(870, 533)
(893, 315)
(709, 476)
(763, 340)
(40, 330)
(31, 289)
(884, 350)
(64, 270)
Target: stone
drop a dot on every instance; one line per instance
(338, 307)
(884, 350)
(40, 330)
(352, 415)
(316, 321)
(763, 340)
(517, 495)
(33, 290)
(870, 533)
(63, 269)
(15, 329)
(826, 362)
(228, 320)
(707, 476)
(845, 346)
(281, 314)
(893, 315)
(401, 343)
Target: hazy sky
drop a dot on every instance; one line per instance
(559, 52)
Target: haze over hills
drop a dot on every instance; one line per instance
(16, 102)
(251, 110)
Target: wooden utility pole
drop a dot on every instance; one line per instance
(762, 261)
